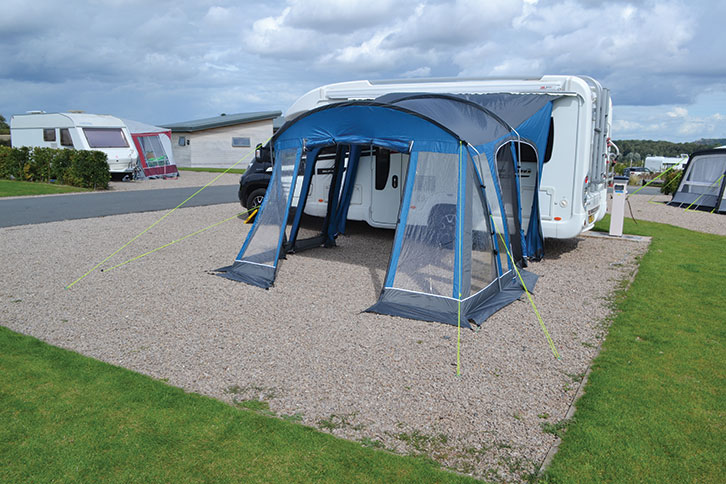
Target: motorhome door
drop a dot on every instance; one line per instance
(528, 167)
(386, 187)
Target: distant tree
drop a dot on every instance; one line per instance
(643, 148)
(4, 128)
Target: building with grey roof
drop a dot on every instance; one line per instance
(220, 141)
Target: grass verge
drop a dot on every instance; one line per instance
(68, 418)
(15, 188)
(654, 407)
(238, 171)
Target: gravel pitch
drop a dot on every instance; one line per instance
(305, 346)
(654, 209)
(185, 179)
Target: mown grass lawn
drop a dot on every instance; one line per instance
(14, 188)
(68, 418)
(654, 408)
(655, 403)
(238, 171)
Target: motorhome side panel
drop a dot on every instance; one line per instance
(376, 195)
(571, 198)
(557, 194)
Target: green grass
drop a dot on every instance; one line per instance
(68, 418)
(655, 408)
(653, 411)
(14, 188)
(238, 171)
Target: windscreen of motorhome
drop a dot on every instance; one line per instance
(105, 138)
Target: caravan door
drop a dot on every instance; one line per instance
(386, 187)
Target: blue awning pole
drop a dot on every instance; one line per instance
(310, 159)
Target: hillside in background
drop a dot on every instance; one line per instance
(636, 150)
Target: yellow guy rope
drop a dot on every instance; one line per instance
(162, 218)
(529, 296)
(178, 240)
(458, 342)
(702, 194)
(654, 179)
(460, 238)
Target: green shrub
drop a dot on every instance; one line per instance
(14, 163)
(39, 163)
(60, 165)
(4, 160)
(618, 168)
(671, 180)
(87, 169)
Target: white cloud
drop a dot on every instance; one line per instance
(340, 17)
(418, 72)
(176, 59)
(367, 56)
(217, 15)
(623, 126)
(273, 36)
(678, 112)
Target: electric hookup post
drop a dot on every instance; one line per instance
(617, 213)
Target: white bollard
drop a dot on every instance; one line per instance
(617, 212)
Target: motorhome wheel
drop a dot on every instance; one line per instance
(254, 199)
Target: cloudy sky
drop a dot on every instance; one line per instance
(169, 61)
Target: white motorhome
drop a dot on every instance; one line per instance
(80, 131)
(573, 188)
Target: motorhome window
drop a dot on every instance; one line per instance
(65, 136)
(383, 167)
(550, 141)
(528, 154)
(238, 142)
(105, 138)
(49, 134)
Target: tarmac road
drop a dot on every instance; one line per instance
(35, 210)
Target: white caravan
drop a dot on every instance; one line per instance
(80, 131)
(656, 164)
(573, 188)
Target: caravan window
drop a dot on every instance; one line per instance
(49, 134)
(105, 138)
(66, 139)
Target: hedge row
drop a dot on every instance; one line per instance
(87, 169)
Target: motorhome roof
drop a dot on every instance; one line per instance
(366, 89)
(372, 89)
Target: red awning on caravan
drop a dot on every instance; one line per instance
(154, 146)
